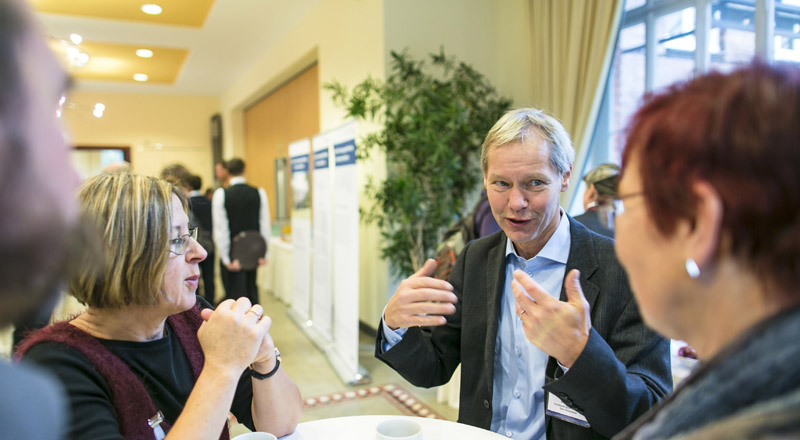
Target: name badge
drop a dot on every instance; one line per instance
(558, 409)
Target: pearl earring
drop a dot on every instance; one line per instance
(691, 268)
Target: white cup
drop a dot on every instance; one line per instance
(399, 429)
(256, 436)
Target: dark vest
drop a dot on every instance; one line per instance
(243, 205)
(130, 398)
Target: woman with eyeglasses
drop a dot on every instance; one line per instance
(710, 238)
(144, 361)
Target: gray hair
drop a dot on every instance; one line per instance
(517, 125)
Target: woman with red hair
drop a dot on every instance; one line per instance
(710, 238)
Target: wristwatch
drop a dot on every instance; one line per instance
(256, 375)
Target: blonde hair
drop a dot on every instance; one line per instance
(133, 216)
(517, 125)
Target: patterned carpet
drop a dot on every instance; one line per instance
(389, 399)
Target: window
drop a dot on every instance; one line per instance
(662, 42)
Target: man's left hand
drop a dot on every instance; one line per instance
(560, 329)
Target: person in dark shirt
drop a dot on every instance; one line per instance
(201, 211)
(144, 358)
(598, 199)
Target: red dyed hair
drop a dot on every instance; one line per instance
(740, 132)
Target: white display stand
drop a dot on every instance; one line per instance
(301, 231)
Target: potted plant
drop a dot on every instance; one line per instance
(434, 116)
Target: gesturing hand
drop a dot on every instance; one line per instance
(560, 329)
(420, 300)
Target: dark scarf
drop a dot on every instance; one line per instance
(758, 367)
(130, 398)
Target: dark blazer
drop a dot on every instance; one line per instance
(201, 207)
(622, 372)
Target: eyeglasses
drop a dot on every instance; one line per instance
(180, 245)
(619, 201)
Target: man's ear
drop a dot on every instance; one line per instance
(703, 239)
(565, 179)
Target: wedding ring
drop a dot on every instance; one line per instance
(520, 314)
(259, 311)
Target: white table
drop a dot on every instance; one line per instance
(363, 428)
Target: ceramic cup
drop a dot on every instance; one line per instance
(399, 429)
(256, 436)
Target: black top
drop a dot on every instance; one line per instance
(243, 205)
(161, 365)
(201, 207)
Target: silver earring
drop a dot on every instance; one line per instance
(691, 268)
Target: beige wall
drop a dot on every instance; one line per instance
(179, 123)
(345, 38)
(491, 36)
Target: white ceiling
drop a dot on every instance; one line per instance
(235, 35)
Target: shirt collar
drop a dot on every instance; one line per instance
(556, 249)
(195, 193)
(236, 180)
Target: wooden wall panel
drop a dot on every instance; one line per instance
(287, 114)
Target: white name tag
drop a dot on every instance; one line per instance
(558, 409)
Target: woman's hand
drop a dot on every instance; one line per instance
(233, 336)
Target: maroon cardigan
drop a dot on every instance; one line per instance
(130, 398)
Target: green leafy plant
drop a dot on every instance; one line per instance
(434, 116)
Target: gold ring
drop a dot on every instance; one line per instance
(254, 310)
(520, 314)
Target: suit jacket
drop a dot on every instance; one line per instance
(201, 207)
(621, 373)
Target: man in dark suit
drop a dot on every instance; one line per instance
(239, 208)
(201, 219)
(573, 362)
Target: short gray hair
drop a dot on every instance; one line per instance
(517, 124)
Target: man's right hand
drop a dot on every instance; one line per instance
(233, 266)
(420, 300)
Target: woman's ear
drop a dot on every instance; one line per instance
(704, 238)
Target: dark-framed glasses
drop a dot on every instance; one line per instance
(607, 213)
(180, 245)
(619, 201)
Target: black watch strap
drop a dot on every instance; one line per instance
(256, 375)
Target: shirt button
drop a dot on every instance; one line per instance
(519, 353)
(508, 434)
(517, 394)
(486, 404)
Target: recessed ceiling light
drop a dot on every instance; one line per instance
(151, 9)
(75, 38)
(140, 76)
(144, 53)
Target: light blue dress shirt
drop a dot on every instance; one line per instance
(519, 366)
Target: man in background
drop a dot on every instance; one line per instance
(239, 208)
(201, 213)
(598, 199)
(37, 212)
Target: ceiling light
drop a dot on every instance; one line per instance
(75, 38)
(99, 108)
(76, 57)
(151, 9)
(144, 53)
(140, 76)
